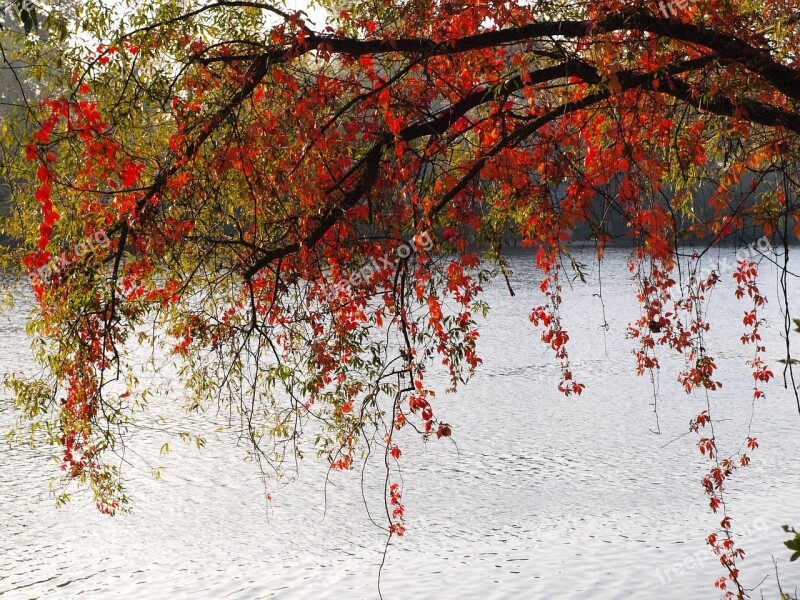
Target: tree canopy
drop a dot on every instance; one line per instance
(309, 210)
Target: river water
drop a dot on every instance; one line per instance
(541, 496)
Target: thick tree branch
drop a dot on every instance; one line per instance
(726, 49)
(441, 122)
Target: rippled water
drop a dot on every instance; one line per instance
(543, 496)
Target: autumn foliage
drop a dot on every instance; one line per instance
(245, 161)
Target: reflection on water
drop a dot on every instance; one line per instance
(541, 496)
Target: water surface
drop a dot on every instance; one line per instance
(541, 496)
